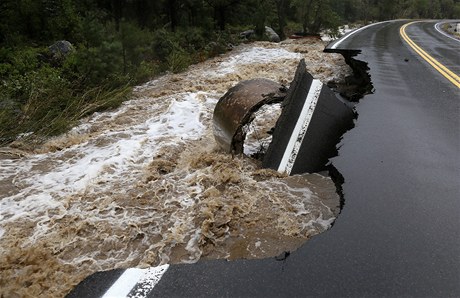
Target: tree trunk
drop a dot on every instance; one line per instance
(306, 17)
(317, 22)
(117, 11)
(259, 18)
(172, 12)
(281, 11)
(142, 13)
(221, 17)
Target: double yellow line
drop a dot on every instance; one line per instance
(447, 73)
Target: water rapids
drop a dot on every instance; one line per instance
(145, 184)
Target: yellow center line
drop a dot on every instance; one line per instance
(447, 73)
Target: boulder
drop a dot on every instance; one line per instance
(247, 34)
(272, 35)
(61, 49)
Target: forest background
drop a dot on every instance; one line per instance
(120, 43)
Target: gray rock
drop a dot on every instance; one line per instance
(61, 49)
(271, 34)
(247, 34)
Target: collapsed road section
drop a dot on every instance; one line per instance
(311, 124)
(312, 121)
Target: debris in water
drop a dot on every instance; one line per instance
(237, 107)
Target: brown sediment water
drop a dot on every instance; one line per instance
(145, 184)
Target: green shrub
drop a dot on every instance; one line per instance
(135, 44)
(162, 44)
(9, 112)
(146, 71)
(95, 65)
(178, 60)
(194, 39)
(41, 98)
(38, 100)
(93, 31)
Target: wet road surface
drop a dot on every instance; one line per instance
(398, 233)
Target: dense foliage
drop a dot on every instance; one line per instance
(118, 43)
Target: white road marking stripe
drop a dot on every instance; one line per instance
(124, 284)
(128, 280)
(354, 32)
(301, 127)
(149, 281)
(436, 26)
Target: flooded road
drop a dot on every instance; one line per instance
(146, 184)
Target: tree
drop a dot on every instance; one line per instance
(315, 15)
(262, 7)
(282, 7)
(117, 7)
(221, 7)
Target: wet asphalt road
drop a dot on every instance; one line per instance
(399, 231)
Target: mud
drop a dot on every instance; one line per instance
(146, 185)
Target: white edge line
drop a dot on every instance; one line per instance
(301, 126)
(126, 282)
(334, 46)
(149, 281)
(436, 26)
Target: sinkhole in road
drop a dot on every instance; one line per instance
(259, 131)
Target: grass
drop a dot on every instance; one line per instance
(40, 119)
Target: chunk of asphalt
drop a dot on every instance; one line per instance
(312, 122)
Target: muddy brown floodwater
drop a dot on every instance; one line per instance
(145, 184)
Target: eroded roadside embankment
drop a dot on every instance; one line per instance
(353, 88)
(145, 184)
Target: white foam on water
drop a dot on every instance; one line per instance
(255, 55)
(50, 177)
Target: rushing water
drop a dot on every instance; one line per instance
(145, 184)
